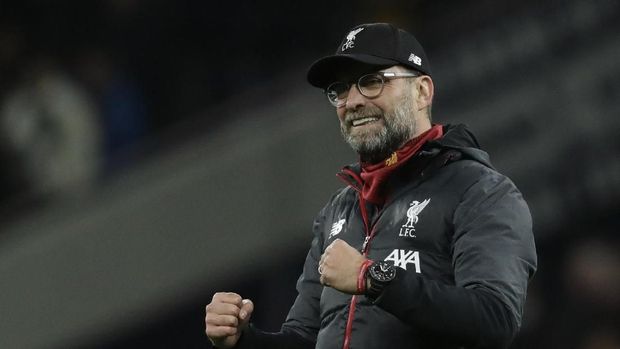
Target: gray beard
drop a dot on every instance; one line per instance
(399, 127)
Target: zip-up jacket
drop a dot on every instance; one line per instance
(460, 236)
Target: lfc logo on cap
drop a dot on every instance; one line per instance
(350, 38)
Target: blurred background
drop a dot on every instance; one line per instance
(154, 152)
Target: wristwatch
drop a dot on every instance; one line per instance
(380, 274)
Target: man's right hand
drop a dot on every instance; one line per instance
(226, 316)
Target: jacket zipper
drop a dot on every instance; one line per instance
(370, 232)
(353, 180)
(365, 248)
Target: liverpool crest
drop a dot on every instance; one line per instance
(415, 207)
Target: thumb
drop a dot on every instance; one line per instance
(247, 307)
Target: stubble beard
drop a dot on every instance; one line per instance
(374, 146)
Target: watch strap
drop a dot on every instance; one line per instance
(362, 276)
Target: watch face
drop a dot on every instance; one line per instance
(382, 272)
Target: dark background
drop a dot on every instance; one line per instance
(537, 80)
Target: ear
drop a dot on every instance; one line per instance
(426, 90)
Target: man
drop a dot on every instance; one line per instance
(426, 247)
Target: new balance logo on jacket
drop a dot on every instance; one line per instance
(336, 228)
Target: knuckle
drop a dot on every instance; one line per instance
(230, 331)
(208, 319)
(326, 261)
(234, 298)
(234, 310)
(216, 332)
(217, 296)
(225, 297)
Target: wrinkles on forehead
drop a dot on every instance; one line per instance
(352, 71)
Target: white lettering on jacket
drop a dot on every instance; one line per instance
(402, 258)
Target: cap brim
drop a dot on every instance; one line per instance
(329, 69)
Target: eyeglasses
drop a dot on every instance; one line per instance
(369, 85)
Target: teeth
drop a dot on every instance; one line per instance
(361, 121)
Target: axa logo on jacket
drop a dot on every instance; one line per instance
(402, 258)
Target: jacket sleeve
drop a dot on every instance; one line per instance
(301, 327)
(493, 258)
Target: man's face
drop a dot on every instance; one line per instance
(376, 127)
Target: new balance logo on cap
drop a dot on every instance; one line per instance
(415, 59)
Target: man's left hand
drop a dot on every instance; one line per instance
(340, 266)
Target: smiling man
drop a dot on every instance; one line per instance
(375, 127)
(427, 245)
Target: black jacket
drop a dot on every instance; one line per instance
(465, 252)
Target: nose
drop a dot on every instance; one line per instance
(355, 99)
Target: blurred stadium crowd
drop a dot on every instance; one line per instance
(85, 83)
(90, 88)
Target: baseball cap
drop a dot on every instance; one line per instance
(366, 48)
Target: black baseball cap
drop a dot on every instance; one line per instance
(367, 48)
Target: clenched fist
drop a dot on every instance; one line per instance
(226, 316)
(340, 266)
